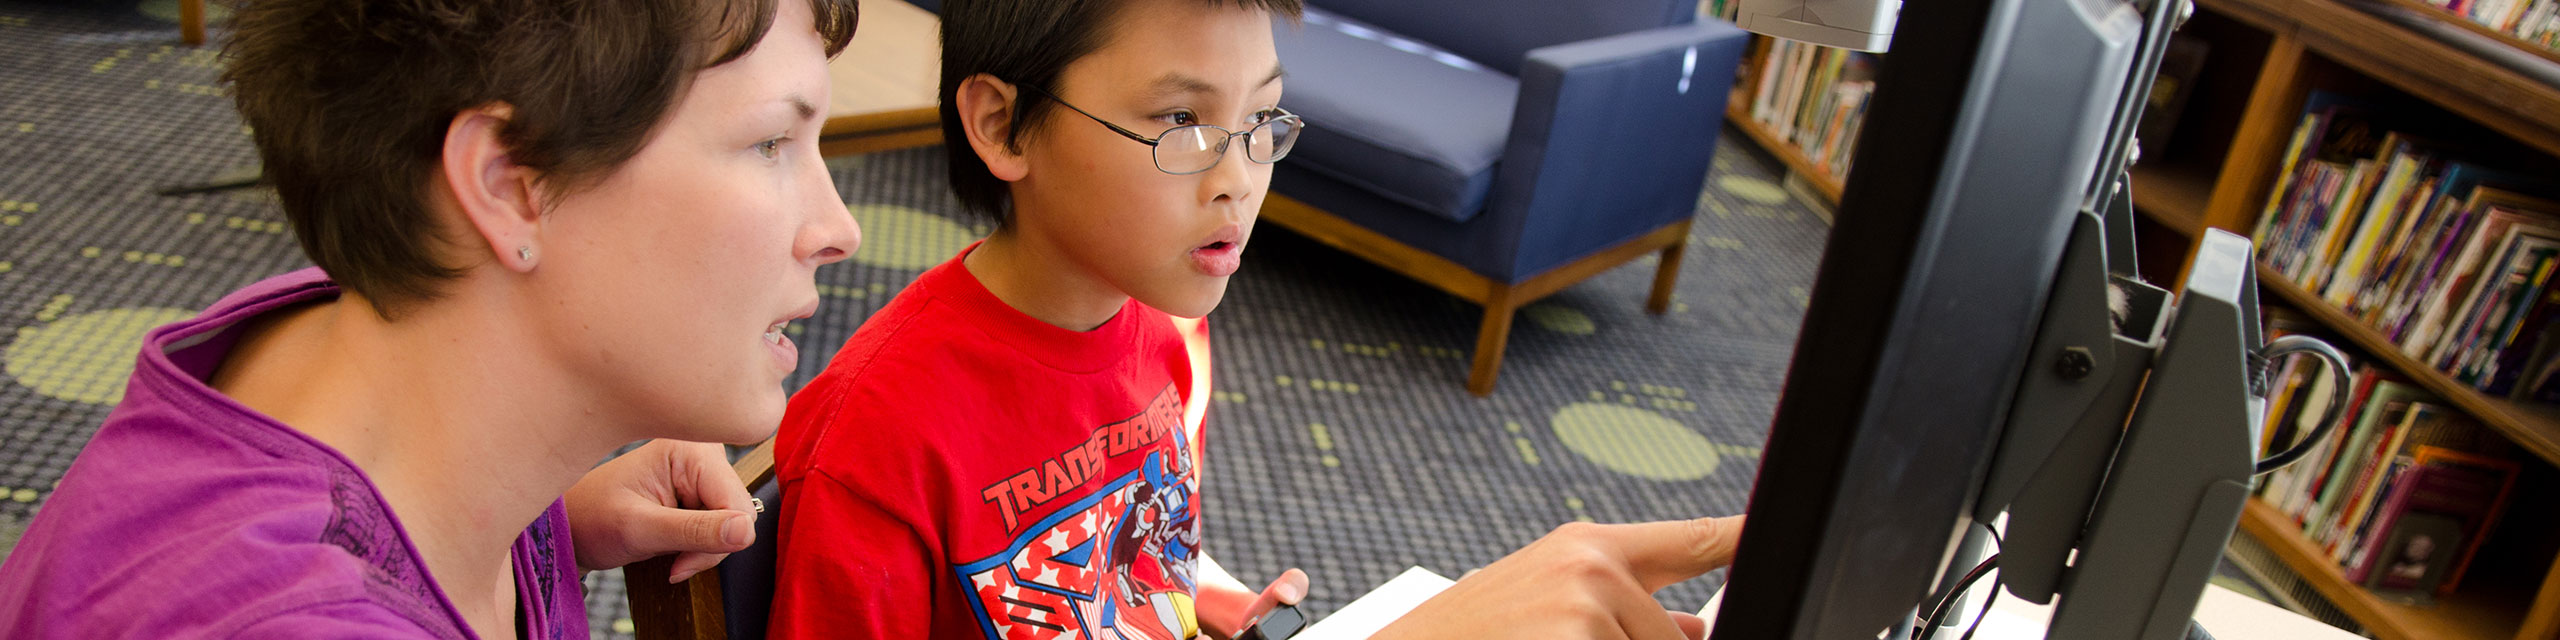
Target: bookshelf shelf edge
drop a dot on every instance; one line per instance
(2536, 429)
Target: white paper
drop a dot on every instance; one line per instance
(1373, 611)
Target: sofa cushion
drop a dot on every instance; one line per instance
(1398, 118)
(1498, 33)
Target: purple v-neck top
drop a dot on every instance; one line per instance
(189, 515)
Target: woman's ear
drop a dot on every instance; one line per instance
(986, 108)
(499, 199)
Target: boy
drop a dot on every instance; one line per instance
(1009, 448)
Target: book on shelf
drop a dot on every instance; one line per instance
(1814, 98)
(2398, 227)
(2533, 21)
(2416, 557)
(2444, 504)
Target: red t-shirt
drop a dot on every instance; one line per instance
(962, 470)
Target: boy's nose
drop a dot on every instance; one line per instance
(1233, 179)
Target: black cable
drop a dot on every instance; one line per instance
(2331, 410)
(1938, 612)
(1987, 599)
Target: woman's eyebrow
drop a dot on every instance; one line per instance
(802, 106)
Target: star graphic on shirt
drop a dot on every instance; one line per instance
(1057, 542)
(1090, 521)
(984, 580)
(1048, 576)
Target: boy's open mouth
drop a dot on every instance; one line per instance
(1219, 257)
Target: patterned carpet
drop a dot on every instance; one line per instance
(1342, 440)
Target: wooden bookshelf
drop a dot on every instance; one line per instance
(2494, 96)
(1737, 112)
(2465, 614)
(2276, 52)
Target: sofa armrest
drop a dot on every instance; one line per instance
(1612, 137)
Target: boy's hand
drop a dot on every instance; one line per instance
(664, 497)
(1227, 609)
(1582, 581)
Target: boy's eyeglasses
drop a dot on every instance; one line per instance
(1194, 148)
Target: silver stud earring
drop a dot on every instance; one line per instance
(524, 253)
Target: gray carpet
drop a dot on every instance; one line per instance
(1341, 441)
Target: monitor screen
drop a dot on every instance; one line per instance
(1978, 152)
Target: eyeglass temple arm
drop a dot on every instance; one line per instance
(1133, 135)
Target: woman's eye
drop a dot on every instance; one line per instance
(1266, 115)
(770, 149)
(1180, 118)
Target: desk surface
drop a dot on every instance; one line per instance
(2224, 613)
(887, 77)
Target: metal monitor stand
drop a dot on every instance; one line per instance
(2135, 449)
(2132, 442)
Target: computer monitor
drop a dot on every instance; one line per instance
(1978, 153)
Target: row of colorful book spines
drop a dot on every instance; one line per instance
(2483, 352)
(2481, 347)
(2329, 491)
(1827, 141)
(2386, 428)
(2302, 219)
(2322, 527)
(1814, 102)
(2387, 295)
(2435, 481)
(2346, 496)
(2530, 20)
(1831, 135)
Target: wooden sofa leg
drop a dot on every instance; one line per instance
(1666, 275)
(1490, 339)
(191, 22)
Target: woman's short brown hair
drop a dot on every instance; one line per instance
(349, 101)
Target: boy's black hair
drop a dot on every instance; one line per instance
(1023, 42)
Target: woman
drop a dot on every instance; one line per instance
(549, 228)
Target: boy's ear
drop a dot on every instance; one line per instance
(499, 200)
(986, 107)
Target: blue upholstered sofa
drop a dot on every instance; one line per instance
(1502, 149)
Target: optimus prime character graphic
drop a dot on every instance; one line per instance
(1154, 549)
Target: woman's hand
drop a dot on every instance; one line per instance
(665, 497)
